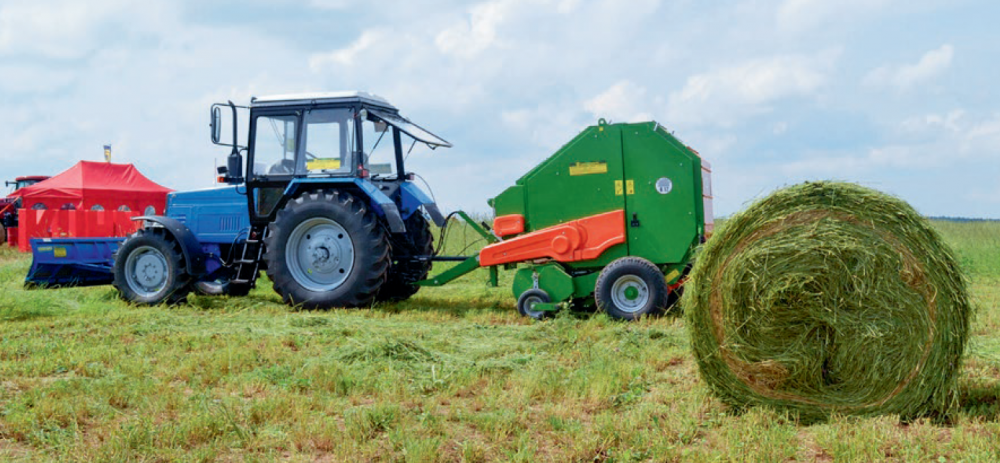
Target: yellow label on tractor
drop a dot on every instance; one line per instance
(588, 168)
(323, 164)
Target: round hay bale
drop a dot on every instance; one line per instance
(829, 298)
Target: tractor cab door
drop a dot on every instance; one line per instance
(287, 144)
(271, 161)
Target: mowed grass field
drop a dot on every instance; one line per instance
(454, 374)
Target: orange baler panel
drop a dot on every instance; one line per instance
(507, 225)
(579, 240)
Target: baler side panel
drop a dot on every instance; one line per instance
(703, 209)
(662, 214)
(577, 181)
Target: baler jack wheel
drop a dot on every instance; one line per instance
(526, 304)
(631, 287)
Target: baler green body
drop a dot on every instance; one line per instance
(662, 185)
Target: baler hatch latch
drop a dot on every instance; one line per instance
(635, 221)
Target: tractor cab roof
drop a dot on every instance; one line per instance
(320, 98)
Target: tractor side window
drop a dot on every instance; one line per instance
(327, 141)
(274, 146)
(380, 152)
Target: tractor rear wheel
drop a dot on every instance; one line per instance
(3, 234)
(326, 249)
(404, 271)
(631, 287)
(149, 269)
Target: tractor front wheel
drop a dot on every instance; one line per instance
(326, 249)
(631, 287)
(149, 269)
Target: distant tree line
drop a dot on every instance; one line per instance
(963, 219)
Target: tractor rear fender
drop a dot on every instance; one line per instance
(378, 201)
(413, 198)
(194, 258)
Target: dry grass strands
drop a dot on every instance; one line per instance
(829, 298)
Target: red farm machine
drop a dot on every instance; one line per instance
(611, 218)
(10, 204)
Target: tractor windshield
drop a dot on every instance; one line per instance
(327, 144)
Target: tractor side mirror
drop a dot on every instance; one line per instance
(216, 124)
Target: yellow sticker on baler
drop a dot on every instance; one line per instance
(59, 252)
(588, 168)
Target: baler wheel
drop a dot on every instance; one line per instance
(631, 287)
(326, 249)
(417, 241)
(149, 269)
(3, 234)
(527, 301)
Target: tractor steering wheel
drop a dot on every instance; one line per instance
(282, 167)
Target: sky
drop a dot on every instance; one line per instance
(901, 96)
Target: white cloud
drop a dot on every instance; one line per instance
(67, 29)
(950, 122)
(468, 38)
(348, 56)
(807, 15)
(32, 79)
(331, 4)
(907, 76)
(623, 102)
(780, 128)
(929, 142)
(726, 95)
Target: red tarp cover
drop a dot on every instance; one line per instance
(90, 184)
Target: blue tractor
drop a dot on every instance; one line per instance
(324, 206)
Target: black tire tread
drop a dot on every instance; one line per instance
(636, 266)
(182, 281)
(418, 241)
(522, 304)
(369, 239)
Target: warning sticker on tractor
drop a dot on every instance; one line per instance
(588, 168)
(323, 164)
(59, 252)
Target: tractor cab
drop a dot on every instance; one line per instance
(300, 141)
(22, 182)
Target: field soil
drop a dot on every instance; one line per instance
(453, 374)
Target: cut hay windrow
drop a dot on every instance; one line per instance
(829, 298)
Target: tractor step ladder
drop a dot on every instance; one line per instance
(248, 269)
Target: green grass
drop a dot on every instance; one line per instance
(454, 374)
